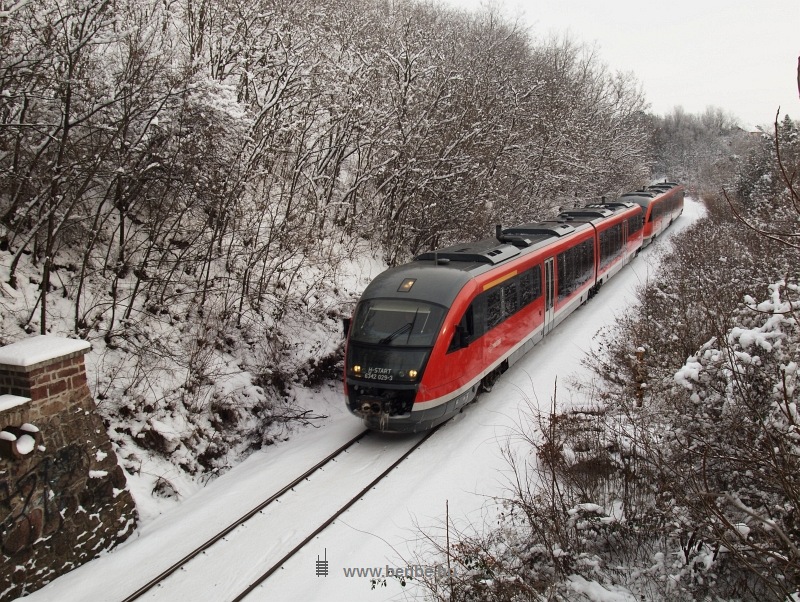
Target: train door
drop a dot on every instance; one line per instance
(658, 218)
(625, 249)
(549, 295)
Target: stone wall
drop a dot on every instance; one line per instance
(62, 494)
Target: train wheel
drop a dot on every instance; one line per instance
(487, 384)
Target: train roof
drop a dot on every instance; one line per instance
(440, 274)
(640, 193)
(617, 205)
(597, 212)
(643, 198)
(488, 251)
(660, 188)
(646, 196)
(540, 231)
(433, 283)
(593, 212)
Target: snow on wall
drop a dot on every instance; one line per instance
(39, 349)
(63, 495)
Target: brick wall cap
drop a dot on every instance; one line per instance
(39, 349)
(12, 401)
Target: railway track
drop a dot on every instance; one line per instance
(244, 534)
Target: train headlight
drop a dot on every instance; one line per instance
(357, 370)
(412, 374)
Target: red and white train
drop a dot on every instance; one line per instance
(662, 204)
(427, 335)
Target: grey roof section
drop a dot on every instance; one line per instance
(590, 212)
(664, 184)
(596, 213)
(549, 228)
(434, 283)
(615, 205)
(643, 200)
(489, 251)
(524, 241)
(640, 193)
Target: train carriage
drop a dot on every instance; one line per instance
(427, 335)
(662, 204)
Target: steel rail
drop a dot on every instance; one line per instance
(338, 513)
(243, 519)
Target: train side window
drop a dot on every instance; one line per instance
(565, 272)
(494, 307)
(587, 261)
(610, 244)
(501, 302)
(478, 316)
(634, 224)
(530, 285)
(510, 298)
(575, 266)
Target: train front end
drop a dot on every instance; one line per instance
(393, 332)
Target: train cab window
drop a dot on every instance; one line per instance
(397, 322)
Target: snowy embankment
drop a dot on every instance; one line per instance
(462, 466)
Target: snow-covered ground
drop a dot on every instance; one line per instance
(461, 466)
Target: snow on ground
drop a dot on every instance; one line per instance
(355, 274)
(461, 466)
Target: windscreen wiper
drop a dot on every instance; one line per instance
(388, 339)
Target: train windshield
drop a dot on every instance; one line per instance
(397, 322)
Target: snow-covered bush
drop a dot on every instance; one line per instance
(684, 481)
(733, 447)
(760, 181)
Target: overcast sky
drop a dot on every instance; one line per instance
(738, 55)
